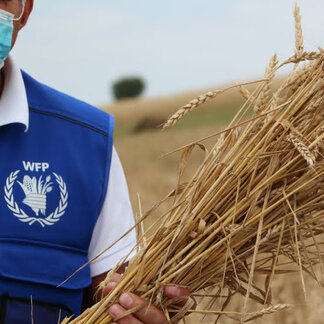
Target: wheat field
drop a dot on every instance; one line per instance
(151, 175)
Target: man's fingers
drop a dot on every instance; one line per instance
(147, 314)
(115, 278)
(176, 292)
(116, 310)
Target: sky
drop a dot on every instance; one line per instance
(81, 47)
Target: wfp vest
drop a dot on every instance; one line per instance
(53, 183)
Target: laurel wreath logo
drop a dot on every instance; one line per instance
(22, 216)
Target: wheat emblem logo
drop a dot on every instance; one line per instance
(35, 192)
(36, 198)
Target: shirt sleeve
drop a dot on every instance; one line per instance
(115, 219)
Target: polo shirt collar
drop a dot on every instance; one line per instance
(13, 101)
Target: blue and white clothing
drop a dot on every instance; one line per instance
(65, 197)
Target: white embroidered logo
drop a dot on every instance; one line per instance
(35, 191)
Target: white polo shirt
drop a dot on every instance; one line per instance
(116, 216)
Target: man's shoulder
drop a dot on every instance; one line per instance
(44, 99)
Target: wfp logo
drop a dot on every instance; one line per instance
(35, 192)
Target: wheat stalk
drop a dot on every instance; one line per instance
(268, 311)
(302, 149)
(298, 32)
(253, 207)
(269, 75)
(199, 101)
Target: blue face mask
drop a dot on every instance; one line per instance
(6, 29)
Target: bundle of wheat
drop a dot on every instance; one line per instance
(254, 205)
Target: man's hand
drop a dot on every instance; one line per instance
(146, 315)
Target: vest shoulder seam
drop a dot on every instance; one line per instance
(47, 113)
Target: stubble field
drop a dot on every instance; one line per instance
(151, 175)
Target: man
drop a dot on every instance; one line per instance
(64, 196)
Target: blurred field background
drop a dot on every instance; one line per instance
(141, 145)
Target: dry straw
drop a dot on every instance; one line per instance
(254, 206)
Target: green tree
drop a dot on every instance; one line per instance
(128, 87)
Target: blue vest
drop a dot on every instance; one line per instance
(53, 183)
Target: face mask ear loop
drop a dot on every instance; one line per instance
(22, 12)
